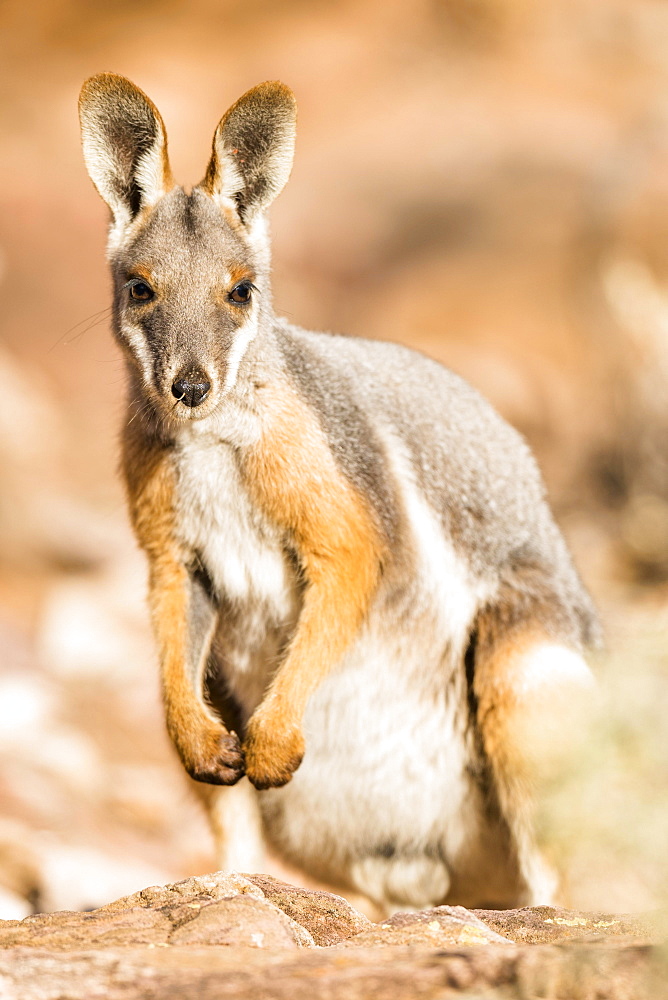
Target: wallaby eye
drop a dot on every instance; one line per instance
(140, 291)
(241, 294)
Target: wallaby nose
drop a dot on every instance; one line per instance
(191, 388)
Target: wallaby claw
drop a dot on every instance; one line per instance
(271, 757)
(225, 766)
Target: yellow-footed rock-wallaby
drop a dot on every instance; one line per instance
(365, 614)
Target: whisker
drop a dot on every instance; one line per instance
(141, 411)
(91, 326)
(92, 321)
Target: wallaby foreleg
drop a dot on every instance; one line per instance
(184, 616)
(295, 479)
(333, 610)
(184, 619)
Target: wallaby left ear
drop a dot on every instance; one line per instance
(253, 149)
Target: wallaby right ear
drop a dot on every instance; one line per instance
(124, 145)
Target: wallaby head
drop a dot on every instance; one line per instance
(190, 270)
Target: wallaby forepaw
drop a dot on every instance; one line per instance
(221, 763)
(271, 757)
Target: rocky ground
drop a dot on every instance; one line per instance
(252, 936)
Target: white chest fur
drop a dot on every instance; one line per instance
(241, 551)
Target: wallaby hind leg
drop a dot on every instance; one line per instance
(529, 690)
(234, 816)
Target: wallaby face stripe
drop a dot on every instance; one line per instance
(235, 355)
(345, 542)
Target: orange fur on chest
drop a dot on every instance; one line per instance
(293, 477)
(150, 483)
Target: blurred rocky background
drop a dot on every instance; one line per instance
(486, 180)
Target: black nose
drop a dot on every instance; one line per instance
(191, 388)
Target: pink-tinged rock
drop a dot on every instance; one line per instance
(69, 931)
(217, 885)
(241, 920)
(328, 917)
(219, 909)
(438, 927)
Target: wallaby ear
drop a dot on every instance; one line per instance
(124, 145)
(253, 148)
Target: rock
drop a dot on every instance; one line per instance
(568, 972)
(438, 927)
(551, 924)
(70, 931)
(241, 920)
(227, 935)
(328, 917)
(199, 888)
(220, 909)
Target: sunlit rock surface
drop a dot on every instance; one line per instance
(230, 935)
